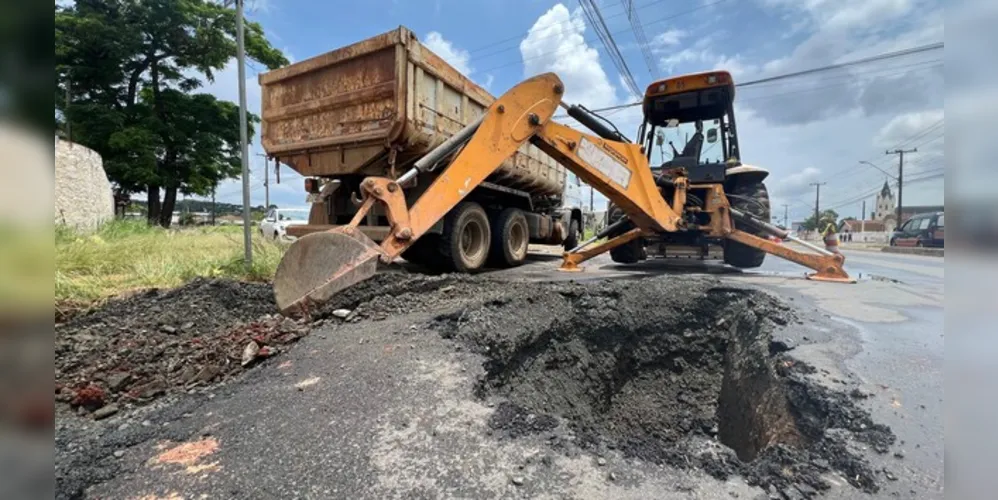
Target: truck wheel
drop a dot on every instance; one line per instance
(753, 198)
(572, 238)
(466, 238)
(630, 252)
(510, 237)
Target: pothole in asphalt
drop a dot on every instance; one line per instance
(669, 373)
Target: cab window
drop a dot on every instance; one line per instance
(940, 221)
(924, 223)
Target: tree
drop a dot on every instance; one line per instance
(131, 68)
(810, 224)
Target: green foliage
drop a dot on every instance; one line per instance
(128, 255)
(810, 224)
(133, 67)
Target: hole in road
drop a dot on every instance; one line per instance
(644, 384)
(671, 371)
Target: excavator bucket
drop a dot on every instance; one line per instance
(318, 265)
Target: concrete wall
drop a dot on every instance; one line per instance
(83, 197)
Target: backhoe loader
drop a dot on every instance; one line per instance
(684, 201)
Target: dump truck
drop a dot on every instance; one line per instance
(685, 200)
(373, 109)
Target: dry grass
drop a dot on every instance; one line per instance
(128, 255)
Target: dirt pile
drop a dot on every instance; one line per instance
(135, 349)
(676, 371)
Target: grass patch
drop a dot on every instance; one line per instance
(127, 255)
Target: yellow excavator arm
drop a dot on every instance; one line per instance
(318, 265)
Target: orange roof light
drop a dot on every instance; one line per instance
(689, 82)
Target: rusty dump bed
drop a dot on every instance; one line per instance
(376, 106)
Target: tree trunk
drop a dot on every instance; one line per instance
(152, 204)
(169, 203)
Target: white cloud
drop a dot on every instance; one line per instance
(847, 14)
(459, 58)
(668, 38)
(796, 183)
(489, 78)
(555, 43)
(902, 128)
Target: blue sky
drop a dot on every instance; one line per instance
(804, 130)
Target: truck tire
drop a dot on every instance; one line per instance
(630, 252)
(753, 198)
(510, 237)
(572, 237)
(466, 238)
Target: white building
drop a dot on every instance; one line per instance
(886, 204)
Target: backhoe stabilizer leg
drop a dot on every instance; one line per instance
(826, 267)
(571, 260)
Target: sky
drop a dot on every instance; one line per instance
(804, 130)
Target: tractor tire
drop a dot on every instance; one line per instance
(630, 252)
(752, 198)
(572, 238)
(466, 238)
(510, 237)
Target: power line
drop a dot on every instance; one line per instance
(880, 57)
(595, 17)
(639, 35)
(796, 74)
(586, 41)
(569, 23)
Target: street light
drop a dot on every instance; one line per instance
(864, 162)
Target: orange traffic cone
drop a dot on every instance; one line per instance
(832, 242)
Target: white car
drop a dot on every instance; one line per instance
(275, 223)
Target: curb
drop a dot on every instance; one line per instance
(931, 252)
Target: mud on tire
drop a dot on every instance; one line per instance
(466, 238)
(510, 237)
(752, 198)
(630, 252)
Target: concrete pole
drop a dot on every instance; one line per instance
(900, 153)
(817, 200)
(862, 219)
(241, 58)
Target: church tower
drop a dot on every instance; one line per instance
(886, 204)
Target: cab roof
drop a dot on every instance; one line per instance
(700, 96)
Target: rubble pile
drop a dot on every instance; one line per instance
(135, 349)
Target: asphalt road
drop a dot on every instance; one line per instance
(385, 412)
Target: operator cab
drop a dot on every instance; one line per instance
(689, 123)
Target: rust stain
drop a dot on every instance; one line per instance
(188, 455)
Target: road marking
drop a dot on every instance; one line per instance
(935, 272)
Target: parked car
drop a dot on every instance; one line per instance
(276, 221)
(922, 230)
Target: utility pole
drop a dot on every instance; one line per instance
(213, 206)
(862, 220)
(817, 200)
(900, 153)
(244, 144)
(786, 216)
